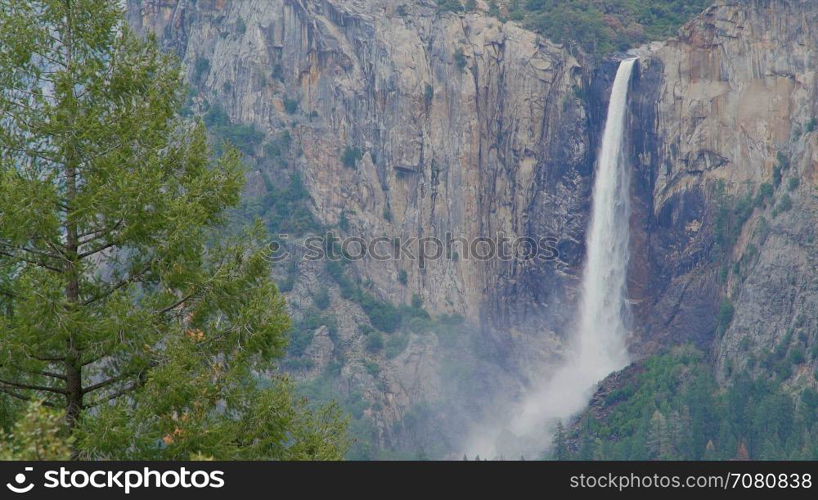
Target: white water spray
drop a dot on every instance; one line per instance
(598, 345)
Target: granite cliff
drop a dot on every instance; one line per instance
(404, 121)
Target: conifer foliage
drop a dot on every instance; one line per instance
(120, 304)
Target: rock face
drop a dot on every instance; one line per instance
(725, 149)
(407, 122)
(465, 127)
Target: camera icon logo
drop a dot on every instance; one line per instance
(20, 479)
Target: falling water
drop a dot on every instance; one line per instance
(602, 330)
(598, 345)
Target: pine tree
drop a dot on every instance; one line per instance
(39, 434)
(657, 436)
(119, 303)
(560, 444)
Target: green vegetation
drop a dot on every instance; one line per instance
(784, 205)
(383, 315)
(603, 26)
(428, 94)
(450, 5)
(200, 68)
(303, 331)
(725, 316)
(244, 137)
(403, 277)
(40, 433)
(374, 342)
(276, 148)
(674, 410)
(732, 214)
(343, 221)
(287, 284)
(321, 299)
(285, 210)
(278, 73)
(290, 106)
(351, 156)
(782, 164)
(460, 59)
(124, 306)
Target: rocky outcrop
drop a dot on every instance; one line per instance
(725, 139)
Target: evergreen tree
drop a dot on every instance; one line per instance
(657, 435)
(119, 305)
(39, 434)
(560, 444)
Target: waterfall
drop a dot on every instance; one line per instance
(597, 347)
(602, 329)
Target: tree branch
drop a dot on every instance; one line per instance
(114, 395)
(130, 279)
(94, 233)
(32, 262)
(49, 359)
(24, 398)
(98, 249)
(33, 387)
(108, 382)
(177, 303)
(43, 373)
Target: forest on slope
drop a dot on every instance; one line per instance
(598, 26)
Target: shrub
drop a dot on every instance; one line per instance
(245, 137)
(783, 160)
(403, 277)
(725, 315)
(731, 215)
(810, 126)
(351, 156)
(494, 9)
(343, 221)
(216, 116)
(321, 299)
(373, 368)
(374, 342)
(797, 356)
(765, 191)
(200, 68)
(460, 59)
(277, 147)
(784, 205)
(383, 315)
(793, 183)
(449, 5)
(290, 105)
(300, 338)
(395, 345)
(286, 210)
(278, 73)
